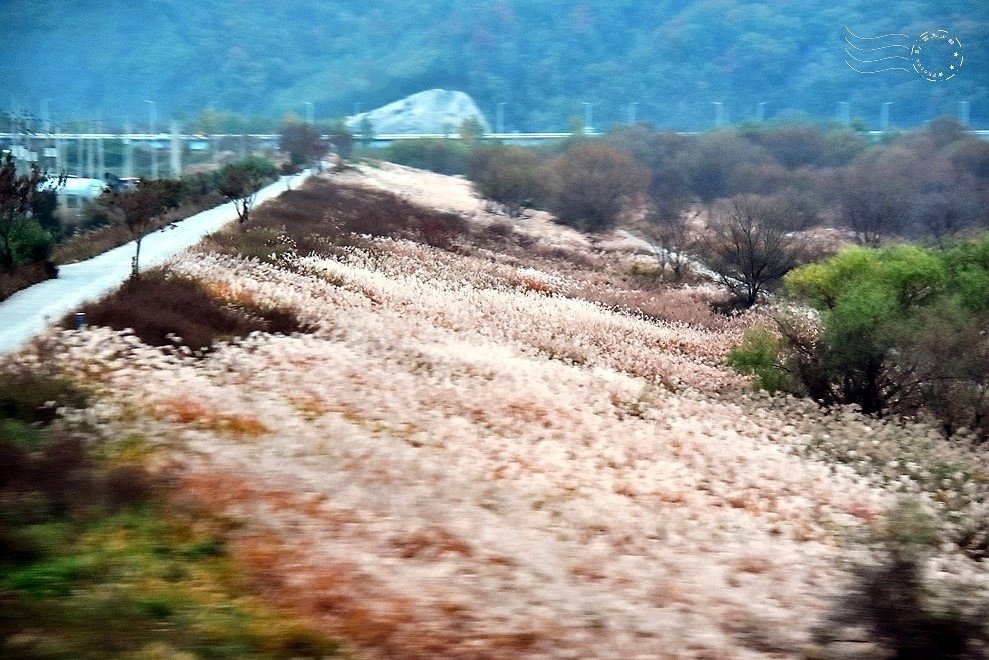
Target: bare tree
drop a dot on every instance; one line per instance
(139, 210)
(668, 226)
(873, 199)
(945, 199)
(750, 246)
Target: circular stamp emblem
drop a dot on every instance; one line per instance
(937, 55)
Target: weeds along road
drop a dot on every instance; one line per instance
(28, 312)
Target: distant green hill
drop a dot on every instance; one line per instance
(540, 57)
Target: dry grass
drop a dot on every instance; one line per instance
(485, 451)
(198, 415)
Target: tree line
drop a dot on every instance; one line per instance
(753, 186)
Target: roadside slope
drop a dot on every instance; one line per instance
(27, 312)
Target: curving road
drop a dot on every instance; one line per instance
(28, 312)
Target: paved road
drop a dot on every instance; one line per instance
(28, 312)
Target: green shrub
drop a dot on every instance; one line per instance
(32, 243)
(900, 332)
(52, 577)
(758, 355)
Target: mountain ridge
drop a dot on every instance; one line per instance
(541, 59)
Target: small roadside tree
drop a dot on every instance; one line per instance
(139, 209)
(241, 180)
(342, 139)
(302, 142)
(18, 195)
(750, 246)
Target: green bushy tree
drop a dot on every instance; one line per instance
(901, 330)
(18, 195)
(868, 301)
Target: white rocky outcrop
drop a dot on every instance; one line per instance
(432, 111)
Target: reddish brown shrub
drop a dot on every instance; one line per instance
(64, 472)
(21, 277)
(322, 213)
(128, 484)
(159, 307)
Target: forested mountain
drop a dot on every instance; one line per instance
(542, 58)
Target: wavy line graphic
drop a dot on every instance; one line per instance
(883, 36)
(895, 68)
(890, 57)
(877, 47)
(868, 46)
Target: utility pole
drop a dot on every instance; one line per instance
(760, 111)
(100, 158)
(176, 151)
(844, 113)
(45, 116)
(90, 160)
(80, 147)
(963, 112)
(500, 118)
(884, 117)
(309, 112)
(48, 150)
(100, 153)
(60, 164)
(153, 119)
(588, 116)
(631, 113)
(719, 113)
(128, 152)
